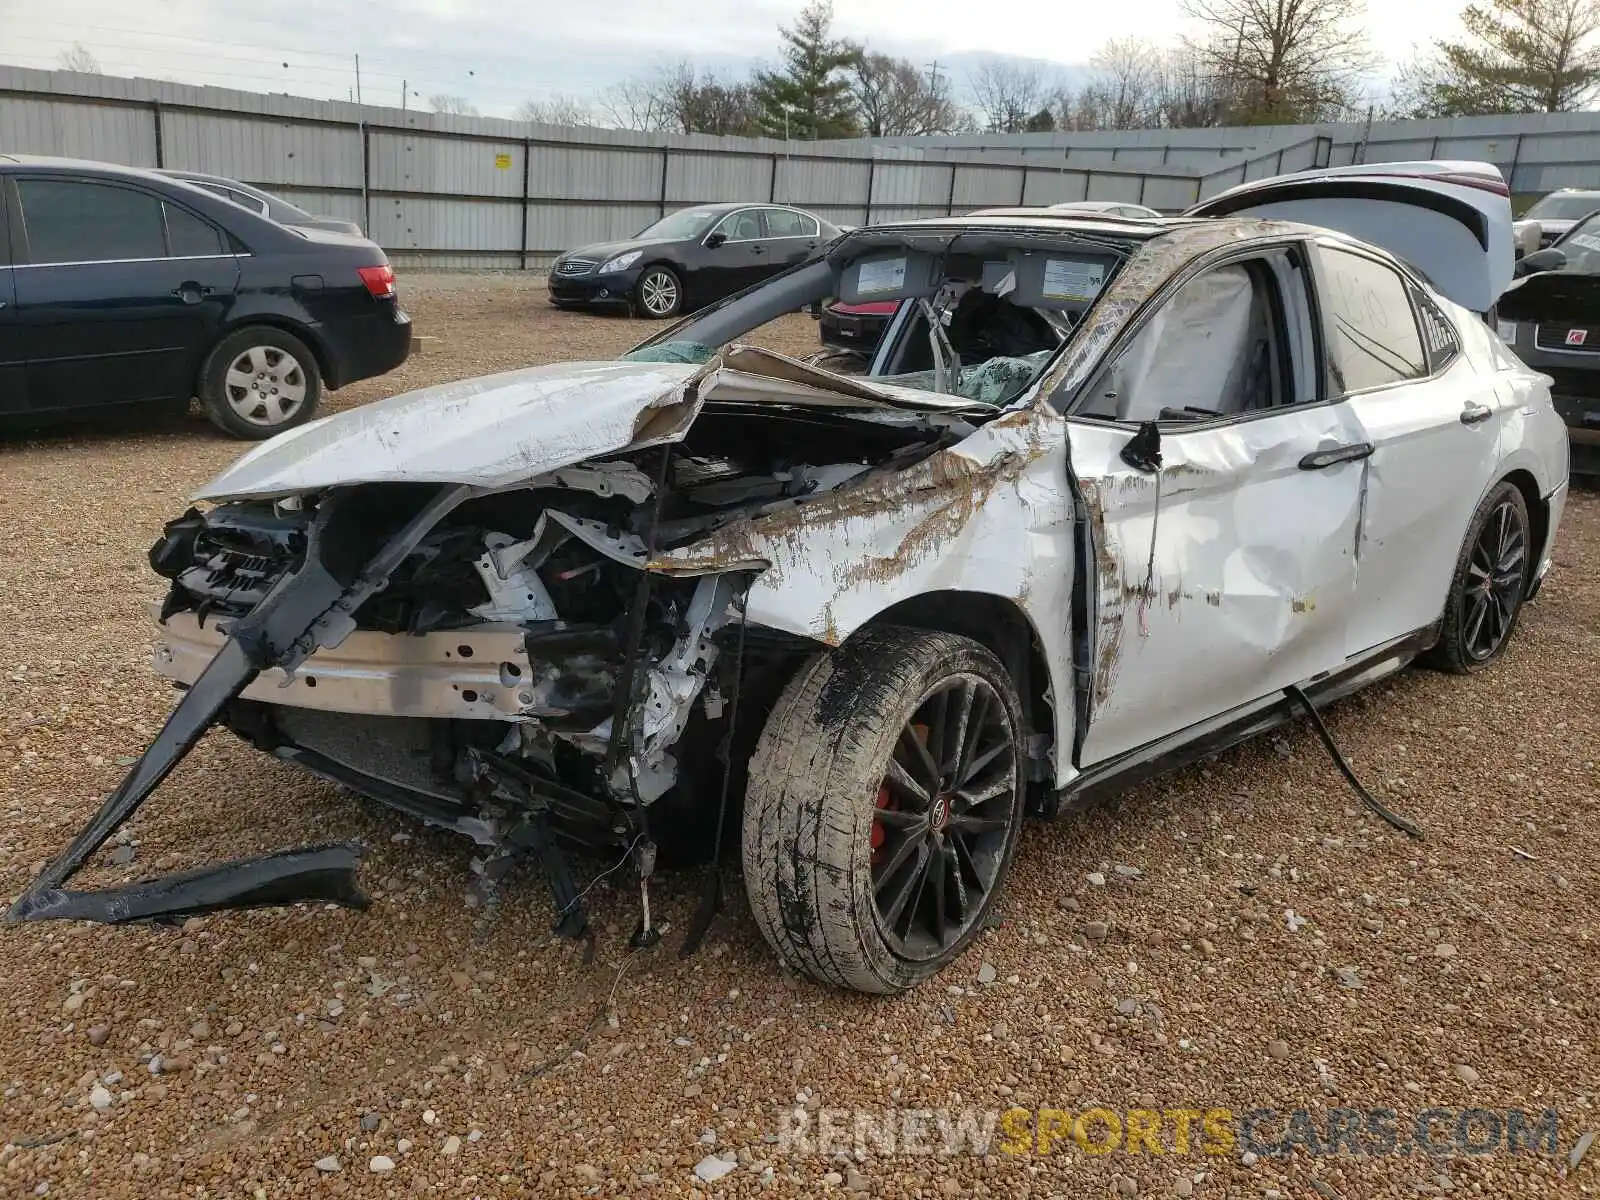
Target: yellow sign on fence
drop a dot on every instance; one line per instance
(503, 161)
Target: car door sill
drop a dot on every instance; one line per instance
(1212, 736)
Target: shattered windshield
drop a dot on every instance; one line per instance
(671, 352)
(981, 311)
(681, 226)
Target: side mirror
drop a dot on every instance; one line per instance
(1550, 259)
(715, 239)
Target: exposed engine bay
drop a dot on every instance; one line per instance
(550, 577)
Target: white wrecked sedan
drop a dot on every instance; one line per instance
(1113, 494)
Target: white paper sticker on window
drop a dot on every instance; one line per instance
(884, 275)
(1065, 279)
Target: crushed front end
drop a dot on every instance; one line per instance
(519, 663)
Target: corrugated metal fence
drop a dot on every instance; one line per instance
(457, 192)
(1537, 152)
(469, 192)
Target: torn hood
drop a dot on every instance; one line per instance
(500, 430)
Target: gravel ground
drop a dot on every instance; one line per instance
(289, 1053)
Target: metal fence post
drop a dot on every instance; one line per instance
(161, 154)
(366, 177)
(872, 172)
(527, 156)
(950, 203)
(666, 164)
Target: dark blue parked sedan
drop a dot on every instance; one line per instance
(123, 287)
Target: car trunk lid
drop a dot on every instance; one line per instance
(1449, 220)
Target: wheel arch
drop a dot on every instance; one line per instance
(1538, 517)
(1002, 626)
(313, 341)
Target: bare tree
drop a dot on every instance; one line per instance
(441, 102)
(1127, 73)
(1010, 95)
(1188, 94)
(557, 110)
(1284, 61)
(79, 57)
(1517, 56)
(640, 103)
(682, 99)
(897, 100)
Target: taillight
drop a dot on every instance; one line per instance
(379, 280)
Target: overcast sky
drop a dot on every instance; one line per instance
(500, 52)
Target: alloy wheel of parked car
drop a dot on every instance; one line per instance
(265, 385)
(1490, 582)
(660, 294)
(259, 382)
(883, 809)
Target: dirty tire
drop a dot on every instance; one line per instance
(281, 352)
(812, 805)
(1499, 548)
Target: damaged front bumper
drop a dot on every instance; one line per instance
(482, 673)
(306, 609)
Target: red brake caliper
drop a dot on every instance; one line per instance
(878, 836)
(886, 800)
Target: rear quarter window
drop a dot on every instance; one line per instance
(190, 236)
(1439, 336)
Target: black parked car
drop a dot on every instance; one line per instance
(689, 259)
(264, 204)
(128, 287)
(1567, 277)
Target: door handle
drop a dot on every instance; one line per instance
(190, 293)
(1473, 413)
(1318, 459)
(758, 250)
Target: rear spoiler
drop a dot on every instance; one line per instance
(1365, 188)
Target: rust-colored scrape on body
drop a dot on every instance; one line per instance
(952, 483)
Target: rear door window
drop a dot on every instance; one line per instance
(69, 220)
(1373, 339)
(784, 222)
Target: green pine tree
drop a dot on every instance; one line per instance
(1518, 56)
(811, 96)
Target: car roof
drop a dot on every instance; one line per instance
(735, 205)
(1097, 205)
(179, 173)
(1055, 220)
(88, 166)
